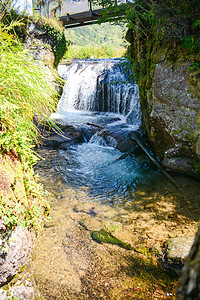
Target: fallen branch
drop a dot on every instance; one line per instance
(135, 138)
(95, 125)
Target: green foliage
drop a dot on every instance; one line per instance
(26, 89)
(57, 40)
(12, 296)
(19, 29)
(191, 43)
(169, 20)
(194, 66)
(54, 30)
(97, 41)
(197, 167)
(17, 214)
(96, 35)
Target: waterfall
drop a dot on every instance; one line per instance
(105, 85)
(100, 101)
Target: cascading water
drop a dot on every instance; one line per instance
(102, 92)
(99, 85)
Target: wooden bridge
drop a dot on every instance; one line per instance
(81, 19)
(76, 13)
(90, 16)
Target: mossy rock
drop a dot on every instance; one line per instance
(103, 236)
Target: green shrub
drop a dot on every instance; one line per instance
(56, 36)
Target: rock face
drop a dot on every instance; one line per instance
(16, 276)
(174, 115)
(169, 85)
(38, 44)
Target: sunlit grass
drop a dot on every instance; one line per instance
(27, 88)
(85, 52)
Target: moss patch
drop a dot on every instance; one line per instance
(103, 236)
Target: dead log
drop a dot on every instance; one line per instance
(135, 138)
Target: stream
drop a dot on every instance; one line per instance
(91, 189)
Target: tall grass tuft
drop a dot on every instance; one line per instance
(26, 88)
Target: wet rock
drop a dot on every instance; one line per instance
(38, 44)
(52, 138)
(183, 165)
(175, 254)
(124, 142)
(170, 101)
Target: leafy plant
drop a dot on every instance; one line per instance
(194, 66)
(57, 40)
(169, 20)
(97, 35)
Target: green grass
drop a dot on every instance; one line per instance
(78, 52)
(27, 89)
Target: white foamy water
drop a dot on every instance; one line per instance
(104, 85)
